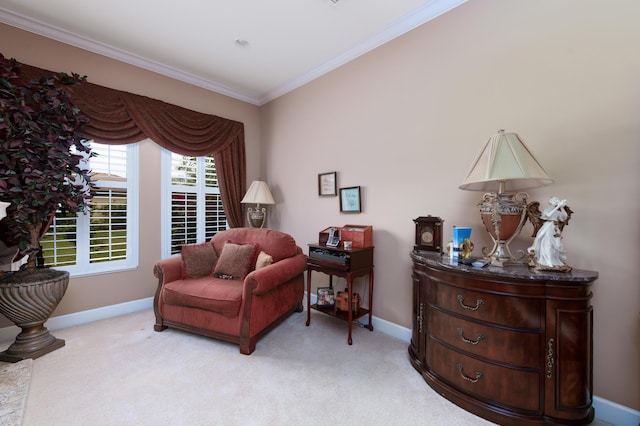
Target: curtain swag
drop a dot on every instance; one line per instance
(118, 117)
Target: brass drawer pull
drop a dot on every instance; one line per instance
(479, 303)
(469, 341)
(467, 378)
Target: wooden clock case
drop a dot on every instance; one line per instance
(428, 233)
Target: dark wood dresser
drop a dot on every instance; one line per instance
(512, 345)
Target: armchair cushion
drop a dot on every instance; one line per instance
(235, 261)
(198, 260)
(210, 294)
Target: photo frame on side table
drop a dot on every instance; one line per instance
(350, 200)
(326, 298)
(327, 186)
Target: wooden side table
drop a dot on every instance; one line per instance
(348, 264)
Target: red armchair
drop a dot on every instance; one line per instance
(239, 310)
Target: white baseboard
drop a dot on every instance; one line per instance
(391, 329)
(607, 411)
(614, 413)
(84, 317)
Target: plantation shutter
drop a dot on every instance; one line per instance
(196, 205)
(106, 224)
(108, 217)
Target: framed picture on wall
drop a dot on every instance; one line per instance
(350, 201)
(327, 184)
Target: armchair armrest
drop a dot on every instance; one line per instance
(169, 269)
(165, 270)
(265, 279)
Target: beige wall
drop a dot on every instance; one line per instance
(108, 289)
(406, 120)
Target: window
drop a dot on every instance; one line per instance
(104, 240)
(191, 204)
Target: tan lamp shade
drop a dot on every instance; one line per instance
(258, 193)
(505, 158)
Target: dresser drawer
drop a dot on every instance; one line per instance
(497, 344)
(491, 383)
(508, 310)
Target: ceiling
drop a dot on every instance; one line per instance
(252, 50)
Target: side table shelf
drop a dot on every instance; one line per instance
(348, 264)
(343, 315)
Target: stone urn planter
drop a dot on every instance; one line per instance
(28, 298)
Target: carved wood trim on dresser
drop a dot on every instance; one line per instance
(512, 345)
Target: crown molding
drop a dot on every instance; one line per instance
(407, 23)
(46, 30)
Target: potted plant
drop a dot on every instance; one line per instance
(41, 173)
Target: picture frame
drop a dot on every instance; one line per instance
(350, 200)
(327, 184)
(326, 297)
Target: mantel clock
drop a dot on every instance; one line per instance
(428, 233)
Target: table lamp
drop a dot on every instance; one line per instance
(258, 193)
(505, 163)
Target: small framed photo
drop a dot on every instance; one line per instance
(350, 201)
(326, 298)
(327, 184)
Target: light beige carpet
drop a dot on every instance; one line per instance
(14, 388)
(121, 372)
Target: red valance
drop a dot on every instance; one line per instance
(118, 117)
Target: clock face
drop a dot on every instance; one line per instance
(427, 235)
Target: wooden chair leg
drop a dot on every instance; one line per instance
(159, 326)
(247, 346)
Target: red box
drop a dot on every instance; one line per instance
(342, 302)
(360, 235)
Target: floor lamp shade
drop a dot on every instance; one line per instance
(258, 193)
(505, 163)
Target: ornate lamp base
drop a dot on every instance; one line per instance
(28, 298)
(503, 215)
(256, 217)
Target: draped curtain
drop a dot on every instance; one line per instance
(118, 117)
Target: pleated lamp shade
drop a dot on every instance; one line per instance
(258, 193)
(505, 158)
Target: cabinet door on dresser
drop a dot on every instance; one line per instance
(569, 363)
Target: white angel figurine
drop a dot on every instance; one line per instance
(547, 252)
